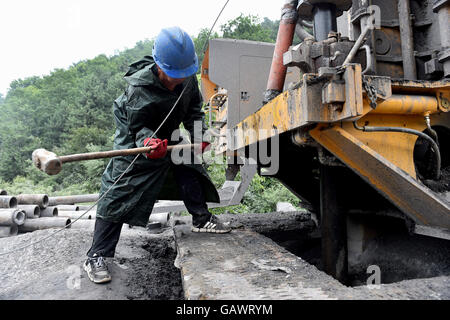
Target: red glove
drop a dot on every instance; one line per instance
(159, 148)
(205, 145)
(201, 148)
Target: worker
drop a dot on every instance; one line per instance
(154, 85)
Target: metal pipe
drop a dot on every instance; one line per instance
(40, 199)
(286, 30)
(8, 231)
(86, 198)
(9, 217)
(8, 202)
(162, 218)
(75, 214)
(406, 35)
(356, 46)
(369, 63)
(49, 212)
(94, 209)
(433, 143)
(31, 210)
(44, 223)
(407, 104)
(369, 20)
(67, 207)
(3, 192)
(306, 24)
(325, 20)
(301, 33)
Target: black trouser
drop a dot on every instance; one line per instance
(107, 234)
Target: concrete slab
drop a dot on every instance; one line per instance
(246, 265)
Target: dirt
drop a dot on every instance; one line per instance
(142, 269)
(155, 277)
(443, 184)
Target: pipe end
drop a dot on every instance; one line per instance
(19, 217)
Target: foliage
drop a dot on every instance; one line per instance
(69, 111)
(199, 42)
(247, 28)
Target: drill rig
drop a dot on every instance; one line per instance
(359, 111)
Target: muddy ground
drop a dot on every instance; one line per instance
(142, 269)
(144, 264)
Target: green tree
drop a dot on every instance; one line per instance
(69, 111)
(199, 43)
(272, 27)
(246, 28)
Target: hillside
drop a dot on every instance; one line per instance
(69, 111)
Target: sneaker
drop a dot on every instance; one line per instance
(97, 270)
(212, 226)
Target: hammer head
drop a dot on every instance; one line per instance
(46, 161)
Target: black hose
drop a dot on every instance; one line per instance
(433, 143)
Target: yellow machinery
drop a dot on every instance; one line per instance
(365, 127)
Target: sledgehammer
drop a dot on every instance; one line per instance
(51, 164)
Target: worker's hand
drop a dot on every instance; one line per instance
(206, 146)
(159, 148)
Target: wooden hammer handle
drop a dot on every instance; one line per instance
(116, 153)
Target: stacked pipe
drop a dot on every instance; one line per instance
(30, 212)
(11, 217)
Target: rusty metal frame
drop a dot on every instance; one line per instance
(410, 196)
(304, 105)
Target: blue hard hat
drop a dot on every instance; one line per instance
(174, 53)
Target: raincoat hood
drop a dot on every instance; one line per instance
(140, 73)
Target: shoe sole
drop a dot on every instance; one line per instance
(92, 279)
(204, 230)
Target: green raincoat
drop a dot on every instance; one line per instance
(137, 113)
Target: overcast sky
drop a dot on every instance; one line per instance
(39, 36)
